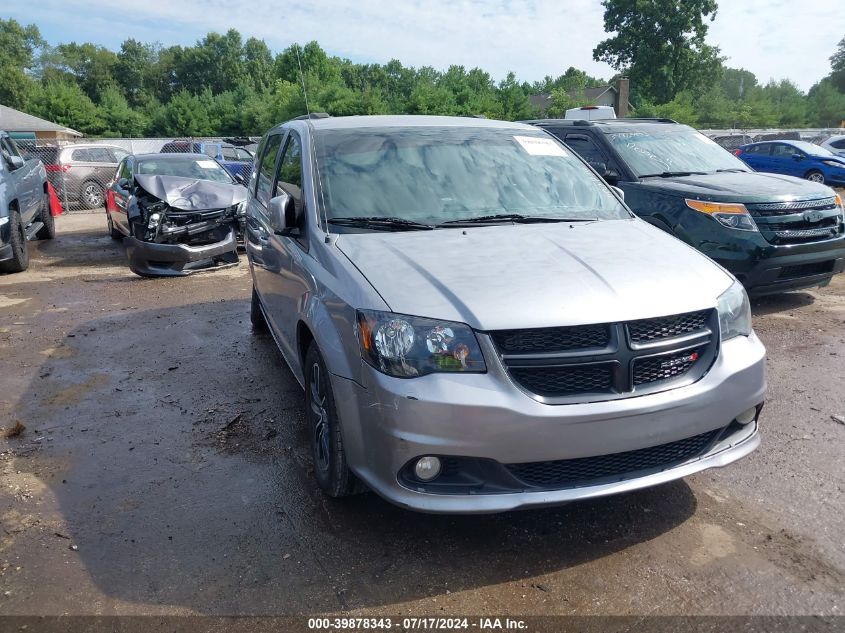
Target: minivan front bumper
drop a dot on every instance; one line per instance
(388, 422)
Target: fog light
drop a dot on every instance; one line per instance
(747, 417)
(427, 468)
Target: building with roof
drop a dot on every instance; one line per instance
(22, 125)
(615, 96)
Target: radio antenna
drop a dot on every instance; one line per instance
(313, 144)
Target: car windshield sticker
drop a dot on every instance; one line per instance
(537, 146)
(207, 164)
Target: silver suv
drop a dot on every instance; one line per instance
(81, 173)
(479, 322)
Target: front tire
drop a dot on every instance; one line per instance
(329, 458)
(48, 231)
(20, 248)
(91, 195)
(815, 175)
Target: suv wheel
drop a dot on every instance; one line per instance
(48, 231)
(815, 176)
(330, 469)
(91, 195)
(20, 249)
(256, 315)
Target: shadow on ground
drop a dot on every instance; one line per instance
(180, 464)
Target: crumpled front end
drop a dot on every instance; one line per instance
(184, 226)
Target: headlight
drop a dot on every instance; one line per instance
(840, 205)
(731, 215)
(734, 312)
(834, 163)
(406, 346)
(240, 209)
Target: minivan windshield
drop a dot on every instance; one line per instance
(673, 151)
(435, 175)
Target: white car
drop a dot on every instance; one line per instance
(835, 144)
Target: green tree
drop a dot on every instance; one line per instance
(118, 118)
(837, 66)
(826, 104)
(18, 48)
(92, 67)
(660, 45)
(65, 103)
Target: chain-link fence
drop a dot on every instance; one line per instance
(731, 139)
(81, 170)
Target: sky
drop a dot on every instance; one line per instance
(772, 38)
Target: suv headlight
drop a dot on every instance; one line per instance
(734, 312)
(731, 215)
(406, 346)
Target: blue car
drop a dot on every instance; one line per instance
(795, 158)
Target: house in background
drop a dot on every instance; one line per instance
(21, 125)
(615, 96)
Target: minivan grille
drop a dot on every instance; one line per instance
(610, 361)
(584, 471)
(558, 339)
(647, 330)
(565, 380)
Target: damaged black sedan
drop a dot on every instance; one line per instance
(176, 213)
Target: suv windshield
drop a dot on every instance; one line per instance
(434, 175)
(650, 153)
(198, 168)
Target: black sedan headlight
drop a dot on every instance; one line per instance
(407, 346)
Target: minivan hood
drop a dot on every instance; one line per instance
(738, 187)
(536, 275)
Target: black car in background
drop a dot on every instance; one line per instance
(176, 213)
(773, 232)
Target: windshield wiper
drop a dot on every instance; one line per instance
(382, 223)
(512, 217)
(672, 174)
(733, 169)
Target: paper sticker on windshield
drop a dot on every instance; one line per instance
(538, 146)
(207, 164)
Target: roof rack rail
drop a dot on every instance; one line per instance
(313, 115)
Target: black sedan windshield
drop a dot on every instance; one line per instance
(674, 151)
(436, 175)
(186, 167)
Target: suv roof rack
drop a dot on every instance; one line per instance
(313, 115)
(549, 122)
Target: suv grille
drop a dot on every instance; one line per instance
(766, 209)
(584, 471)
(796, 222)
(610, 361)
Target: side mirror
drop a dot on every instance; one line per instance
(611, 178)
(282, 212)
(16, 162)
(618, 192)
(797, 157)
(123, 183)
(239, 177)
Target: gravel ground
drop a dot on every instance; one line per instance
(164, 470)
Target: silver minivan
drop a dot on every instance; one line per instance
(480, 324)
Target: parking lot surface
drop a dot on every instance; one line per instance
(164, 469)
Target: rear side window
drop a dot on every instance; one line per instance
(81, 156)
(267, 169)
